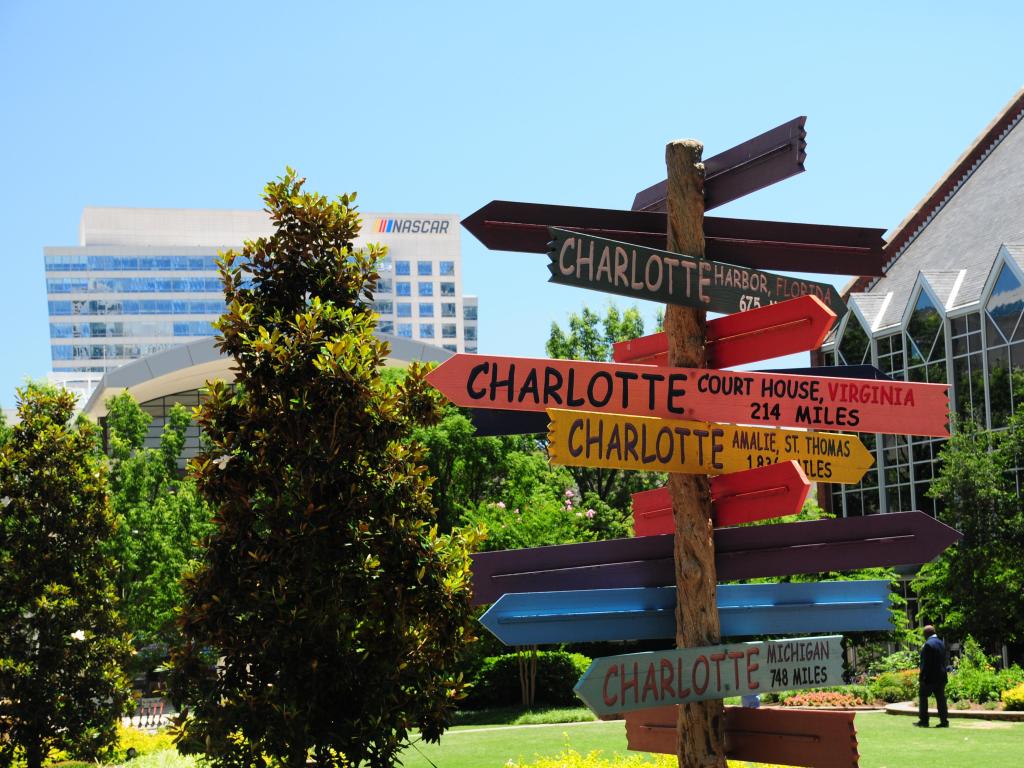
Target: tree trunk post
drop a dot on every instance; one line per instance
(701, 742)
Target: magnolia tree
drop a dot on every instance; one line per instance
(334, 612)
(62, 645)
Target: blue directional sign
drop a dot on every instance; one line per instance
(538, 618)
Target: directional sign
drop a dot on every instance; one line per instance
(634, 681)
(508, 226)
(584, 439)
(639, 272)
(771, 399)
(745, 337)
(776, 490)
(844, 544)
(778, 736)
(756, 163)
(583, 616)
(491, 421)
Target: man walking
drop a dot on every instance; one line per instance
(932, 678)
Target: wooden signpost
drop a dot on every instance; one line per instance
(619, 684)
(639, 272)
(747, 397)
(584, 439)
(775, 490)
(648, 613)
(748, 552)
(818, 739)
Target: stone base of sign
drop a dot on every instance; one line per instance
(910, 708)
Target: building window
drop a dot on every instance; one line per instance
(447, 330)
(403, 288)
(450, 347)
(424, 268)
(469, 312)
(471, 348)
(854, 347)
(383, 307)
(405, 330)
(447, 289)
(426, 289)
(384, 285)
(890, 355)
(968, 371)
(426, 330)
(386, 326)
(1005, 338)
(926, 343)
(447, 309)
(470, 333)
(404, 309)
(447, 268)
(401, 267)
(426, 309)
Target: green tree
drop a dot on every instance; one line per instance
(338, 612)
(62, 644)
(591, 337)
(162, 519)
(974, 587)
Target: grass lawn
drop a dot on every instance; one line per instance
(886, 741)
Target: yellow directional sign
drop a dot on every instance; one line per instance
(587, 439)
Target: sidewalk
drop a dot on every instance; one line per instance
(910, 708)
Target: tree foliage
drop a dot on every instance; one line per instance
(162, 519)
(974, 587)
(62, 644)
(591, 337)
(338, 611)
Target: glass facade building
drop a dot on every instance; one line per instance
(144, 280)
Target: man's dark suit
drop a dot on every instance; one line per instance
(933, 679)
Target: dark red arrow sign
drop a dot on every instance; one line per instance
(776, 490)
(509, 226)
(875, 541)
(756, 163)
(529, 384)
(797, 325)
(776, 736)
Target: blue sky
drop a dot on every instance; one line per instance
(442, 107)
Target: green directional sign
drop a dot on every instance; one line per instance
(587, 261)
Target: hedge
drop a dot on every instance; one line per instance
(496, 684)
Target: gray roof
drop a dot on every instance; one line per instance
(983, 210)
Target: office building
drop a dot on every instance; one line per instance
(141, 281)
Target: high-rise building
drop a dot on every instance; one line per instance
(142, 280)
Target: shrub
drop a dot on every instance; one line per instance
(1014, 698)
(497, 682)
(822, 699)
(973, 685)
(894, 662)
(895, 686)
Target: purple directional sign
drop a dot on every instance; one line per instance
(819, 546)
(583, 616)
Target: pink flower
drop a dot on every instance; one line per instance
(515, 511)
(568, 493)
(591, 513)
(501, 505)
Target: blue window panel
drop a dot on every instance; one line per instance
(60, 330)
(424, 268)
(426, 289)
(405, 330)
(450, 347)
(448, 331)
(403, 288)
(402, 268)
(426, 309)
(447, 268)
(469, 312)
(62, 352)
(447, 289)
(59, 307)
(426, 330)
(404, 309)
(470, 334)
(448, 309)
(386, 326)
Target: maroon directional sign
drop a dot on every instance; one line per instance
(756, 163)
(509, 226)
(875, 541)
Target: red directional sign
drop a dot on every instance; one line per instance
(776, 736)
(756, 163)
(746, 397)
(503, 225)
(776, 490)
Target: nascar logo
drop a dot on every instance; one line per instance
(402, 226)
